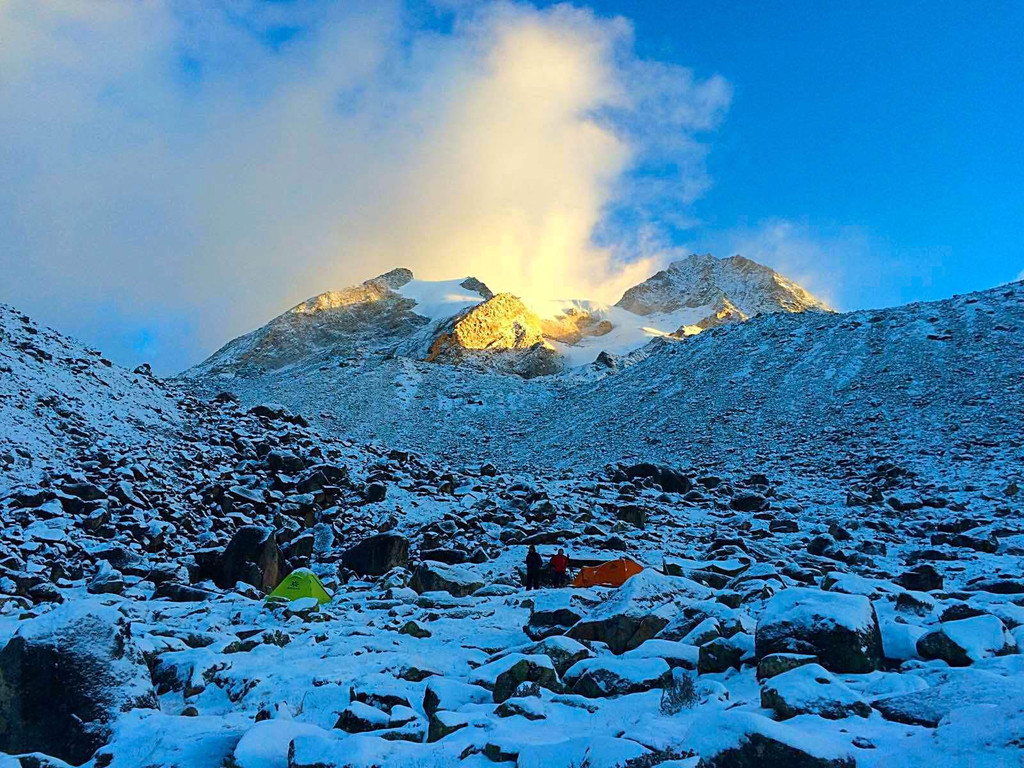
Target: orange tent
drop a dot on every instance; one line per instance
(611, 574)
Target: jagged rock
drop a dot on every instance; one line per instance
(358, 717)
(811, 690)
(456, 581)
(253, 557)
(841, 630)
(721, 654)
(376, 555)
(960, 643)
(64, 678)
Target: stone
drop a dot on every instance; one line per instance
(552, 614)
(922, 578)
(605, 677)
(961, 643)
(719, 655)
(670, 480)
(748, 501)
(525, 669)
(776, 663)
(376, 555)
(637, 610)
(841, 630)
(811, 690)
(252, 556)
(65, 677)
(456, 581)
(738, 739)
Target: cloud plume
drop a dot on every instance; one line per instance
(193, 168)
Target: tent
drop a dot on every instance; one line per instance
(300, 583)
(611, 574)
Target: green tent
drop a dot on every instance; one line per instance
(300, 583)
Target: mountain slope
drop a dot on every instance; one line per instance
(934, 382)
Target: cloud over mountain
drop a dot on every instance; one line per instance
(207, 164)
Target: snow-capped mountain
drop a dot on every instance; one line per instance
(737, 286)
(463, 322)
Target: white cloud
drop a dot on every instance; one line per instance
(166, 157)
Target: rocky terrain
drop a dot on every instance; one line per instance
(827, 508)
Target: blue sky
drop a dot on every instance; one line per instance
(176, 173)
(903, 121)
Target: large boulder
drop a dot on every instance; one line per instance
(811, 690)
(841, 630)
(637, 610)
(253, 557)
(377, 555)
(65, 676)
(434, 577)
(960, 643)
(738, 739)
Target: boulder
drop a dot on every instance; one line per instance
(637, 610)
(960, 643)
(553, 613)
(922, 578)
(928, 707)
(723, 653)
(670, 480)
(526, 669)
(434, 577)
(65, 677)
(811, 690)
(748, 501)
(253, 557)
(738, 739)
(604, 677)
(377, 555)
(840, 629)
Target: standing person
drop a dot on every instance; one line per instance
(559, 566)
(533, 564)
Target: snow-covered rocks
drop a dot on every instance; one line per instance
(603, 677)
(811, 690)
(65, 677)
(376, 555)
(840, 630)
(456, 581)
(960, 643)
(637, 611)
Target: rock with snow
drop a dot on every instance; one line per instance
(840, 630)
(960, 643)
(604, 677)
(65, 677)
(376, 555)
(811, 690)
(434, 577)
(637, 610)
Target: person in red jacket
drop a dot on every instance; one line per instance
(559, 567)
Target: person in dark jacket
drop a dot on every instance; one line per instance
(533, 566)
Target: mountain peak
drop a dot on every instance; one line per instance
(744, 286)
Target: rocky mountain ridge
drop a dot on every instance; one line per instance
(464, 323)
